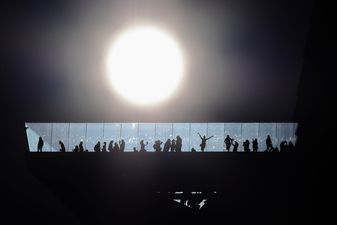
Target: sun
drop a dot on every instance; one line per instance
(145, 65)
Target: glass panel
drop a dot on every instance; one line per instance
(111, 132)
(163, 131)
(265, 130)
(183, 130)
(77, 133)
(129, 133)
(294, 137)
(284, 131)
(146, 132)
(216, 143)
(234, 130)
(94, 135)
(36, 130)
(60, 132)
(250, 131)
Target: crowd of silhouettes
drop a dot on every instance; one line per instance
(175, 145)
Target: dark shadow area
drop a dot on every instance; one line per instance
(105, 188)
(286, 188)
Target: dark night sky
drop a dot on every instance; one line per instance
(244, 64)
(244, 58)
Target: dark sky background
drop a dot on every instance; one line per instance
(244, 61)
(243, 58)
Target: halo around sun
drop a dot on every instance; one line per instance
(145, 65)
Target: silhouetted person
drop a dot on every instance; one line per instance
(275, 149)
(116, 147)
(193, 150)
(173, 145)
(283, 146)
(135, 149)
(179, 144)
(142, 146)
(269, 144)
(121, 145)
(40, 145)
(97, 147)
(228, 141)
(291, 146)
(203, 141)
(167, 145)
(81, 149)
(111, 146)
(157, 146)
(246, 146)
(104, 147)
(62, 149)
(76, 149)
(235, 146)
(255, 145)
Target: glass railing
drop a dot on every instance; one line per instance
(71, 134)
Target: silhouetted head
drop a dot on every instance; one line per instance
(60, 142)
(227, 135)
(204, 136)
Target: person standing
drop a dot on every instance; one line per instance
(228, 142)
(269, 144)
(62, 149)
(255, 145)
(203, 142)
(40, 144)
(179, 144)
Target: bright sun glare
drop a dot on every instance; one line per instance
(145, 65)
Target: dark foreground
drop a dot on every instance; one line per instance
(138, 188)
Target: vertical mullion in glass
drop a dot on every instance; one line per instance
(258, 136)
(51, 137)
(241, 137)
(86, 133)
(223, 140)
(68, 136)
(155, 131)
(120, 131)
(189, 134)
(206, 149)
(137, 135)
(103, 132)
